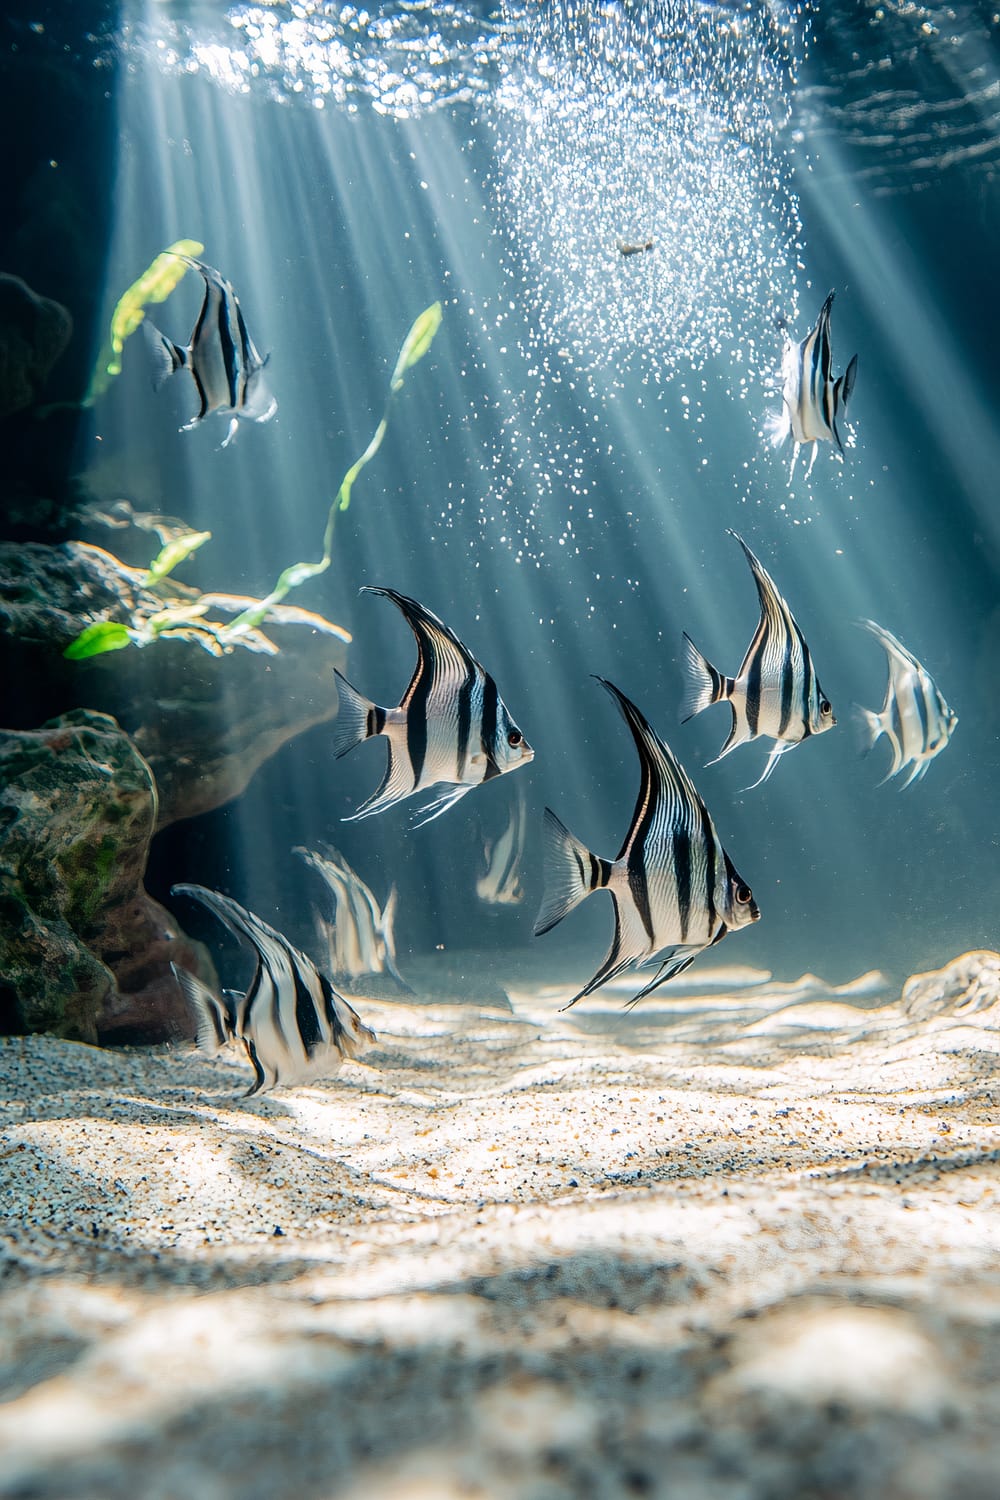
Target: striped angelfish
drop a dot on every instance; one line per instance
(915, 719)
(221, 357)
(293, 1024)
(811, 399)
(674, 888)
(777, 692)
(359, 939)
(500, 882)
(452, 727)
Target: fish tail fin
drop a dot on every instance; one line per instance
(869, 728)
(168, 357)
(847, 380)
(705, 685)
(777, 426)
(356, 717)
(571, 873)
(213, 1017)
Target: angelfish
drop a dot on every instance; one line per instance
(915, 718)
(221, 357)
(293, 1025)
(500, 882)
(452, 727)
(674, 888)
(812, 400)
(359, 940)
(776, 693)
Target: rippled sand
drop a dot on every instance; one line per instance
(743, 1242)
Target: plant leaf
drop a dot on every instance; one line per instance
(417, 342)
(175, 551)
(104, 635)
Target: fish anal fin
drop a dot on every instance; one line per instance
(629, 945)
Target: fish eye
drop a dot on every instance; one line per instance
(744, 895)
(825, 707)
(515, 738)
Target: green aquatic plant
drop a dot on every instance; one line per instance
(416, 344)
(186, 618)
(154, 285)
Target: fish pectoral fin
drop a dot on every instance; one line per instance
(439, 805)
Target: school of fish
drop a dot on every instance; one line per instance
(674, 889)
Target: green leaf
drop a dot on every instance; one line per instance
(173, 553)
(105, 635)
(417, 341)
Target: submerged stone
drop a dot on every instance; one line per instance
(969, 983)
(84, 950)
(204, 722)
(34, 331)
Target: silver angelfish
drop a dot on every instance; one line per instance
(292, 1023)
(360, 939)
(452, 727)
(914, 718)
(812, 401)
(221, 357)
(674, 888)
(500, 882)
(776, 693)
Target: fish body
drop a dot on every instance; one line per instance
(637, 249)
(812, 401)
(291, 1022)
(452, 728)
(221, 357)
(674, 888)
(914, 718)
(500, 882)
(360, 939)
(776, 693)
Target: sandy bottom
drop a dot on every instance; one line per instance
(740, 1243)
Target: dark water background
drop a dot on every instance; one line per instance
(338, 225)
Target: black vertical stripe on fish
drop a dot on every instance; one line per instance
(464, 724)
(416, 712)
(306, 1019)
(682, 875)
(491, 713)
(228, 349)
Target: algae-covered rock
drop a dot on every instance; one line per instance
(84, 951)
(204, 722)
(968, 984)
(34, 331)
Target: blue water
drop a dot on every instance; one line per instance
(560, 471)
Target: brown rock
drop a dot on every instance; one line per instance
(84, 951)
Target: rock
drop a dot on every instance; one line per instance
(34, 331)
(968, 984)
(84, 951)
(204, 722)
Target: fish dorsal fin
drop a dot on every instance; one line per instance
(443, 662)
(667, 796)
(777, 641)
